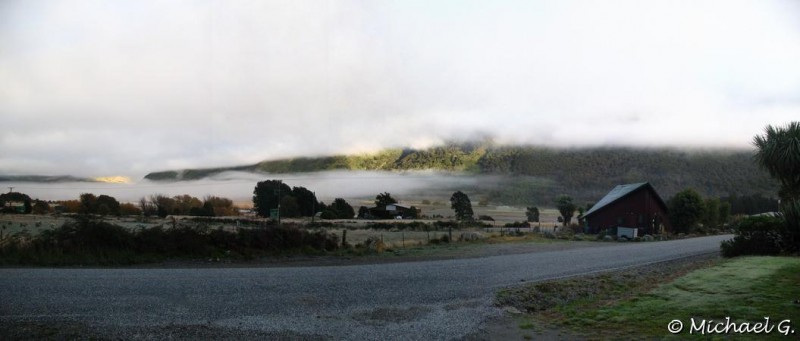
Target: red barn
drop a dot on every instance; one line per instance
(631, 205)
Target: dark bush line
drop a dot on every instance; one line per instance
(421, 226)
(93, 242)
(518, 224)
(242, 221)
(760, 235)
(379, 225)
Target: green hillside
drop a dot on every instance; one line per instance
(520, 173)
(445, 158)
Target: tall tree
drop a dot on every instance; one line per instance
(383, 199)
(128, 209)
(724, 212)
(460, 203)
(265, 196)
(341, 209)
(711, 216)
(219, 206)
(164, 204)
(145, 206)
(686, 209)
(533, 214)
(363, 212)
(778, 152)
(15, 197)
(26, 206)
(289, 206)
(107, 205)
(88, 203)
(566, 207)
(186, 204)
(40, 207)
(306, 201)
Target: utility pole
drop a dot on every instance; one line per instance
(280, 182)
(314, 209)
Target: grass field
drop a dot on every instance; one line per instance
(746, 290)
(33, 224)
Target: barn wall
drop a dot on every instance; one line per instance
(637, 209)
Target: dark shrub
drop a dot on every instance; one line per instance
(285, 238)
(320, 224)
(187, 241)
(87, 241)
(223, 240)
(791, 231)
(518, 224)
(445, 224)
(86, 235)
(380, 226)
(328, 214)
(414, 225)
(151, 240)
(755, 236)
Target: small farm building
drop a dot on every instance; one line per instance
(14, 206)
(392, 211)
(632, 206)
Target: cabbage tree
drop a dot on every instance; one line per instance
(779, 154)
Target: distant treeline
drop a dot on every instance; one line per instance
(538, 174)
(88, 203)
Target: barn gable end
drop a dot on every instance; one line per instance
(631, 205)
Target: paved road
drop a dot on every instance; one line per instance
(419, 300)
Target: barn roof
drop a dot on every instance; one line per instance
(403, 206)
(618, 193)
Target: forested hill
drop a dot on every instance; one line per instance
(588, 172)
(464, 157)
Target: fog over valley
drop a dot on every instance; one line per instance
(239, 186)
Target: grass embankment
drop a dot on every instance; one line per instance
(641, 303)
(436, 248)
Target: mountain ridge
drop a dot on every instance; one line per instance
(541, 171)
(45, 178)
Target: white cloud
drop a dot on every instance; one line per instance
(99, 88)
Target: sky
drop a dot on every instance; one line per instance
(102, 88)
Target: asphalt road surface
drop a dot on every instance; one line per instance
(430, 300)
